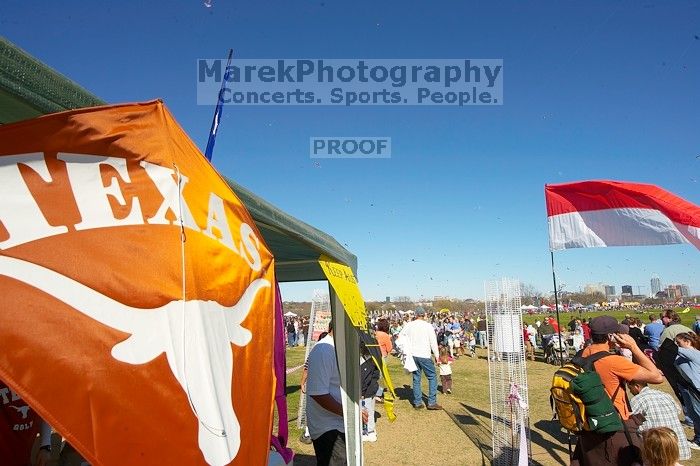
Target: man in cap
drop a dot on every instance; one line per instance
(615, 371)
(422, 341)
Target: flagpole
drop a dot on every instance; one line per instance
(556, 304)
(218, 111)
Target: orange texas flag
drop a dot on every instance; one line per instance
(137, 298)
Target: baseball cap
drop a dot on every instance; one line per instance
(420, 311)
(603, 325)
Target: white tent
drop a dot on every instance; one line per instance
(290, 314)
(528, 307)
(544, 306)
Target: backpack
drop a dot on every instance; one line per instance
(579, 399)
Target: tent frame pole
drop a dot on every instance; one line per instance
(556, 306)
(347, 347)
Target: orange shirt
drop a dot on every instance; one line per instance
(611, 370)
(384, 341)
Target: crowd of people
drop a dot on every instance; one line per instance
(641, 355)
(296, 330)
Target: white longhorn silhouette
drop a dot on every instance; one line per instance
(195, 336)
(24, 410)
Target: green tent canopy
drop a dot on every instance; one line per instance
(29, 88)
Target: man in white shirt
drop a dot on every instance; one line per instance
(422, 341)
(324, 412)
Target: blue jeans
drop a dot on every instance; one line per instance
(481, 338)
(692, 402)
(426, 366)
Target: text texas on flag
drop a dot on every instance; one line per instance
(591, 214)
(137, 306)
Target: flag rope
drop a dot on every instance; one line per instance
(183, 270)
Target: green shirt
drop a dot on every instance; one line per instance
(673, 330)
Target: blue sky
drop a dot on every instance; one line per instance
(595, 90)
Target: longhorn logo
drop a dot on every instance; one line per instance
(24, 410)
(195, 336)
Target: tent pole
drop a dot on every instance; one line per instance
(556, 305)
(347, 347)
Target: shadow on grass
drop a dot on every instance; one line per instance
(292, 389)
(552, 428)
(404, 393)
(474, 423)
(475, 430)
(486, 416)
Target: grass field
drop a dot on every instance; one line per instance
(459, 435)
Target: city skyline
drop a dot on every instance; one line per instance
(298, 290)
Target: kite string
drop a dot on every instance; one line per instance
(183, 271)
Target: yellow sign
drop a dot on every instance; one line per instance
(344, 283)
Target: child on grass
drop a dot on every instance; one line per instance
(470, 342)
(444, 366)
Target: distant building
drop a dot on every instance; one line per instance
(655, 285)
(387, 300)
(402, 299)
(678, 291)
(609, 291)
(441, 298)
(593, 288)
(674, 291)
(627, 290)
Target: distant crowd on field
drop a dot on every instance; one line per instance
(296, 330)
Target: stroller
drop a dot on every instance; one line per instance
(557, 350)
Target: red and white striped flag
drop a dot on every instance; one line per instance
(589, 214)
